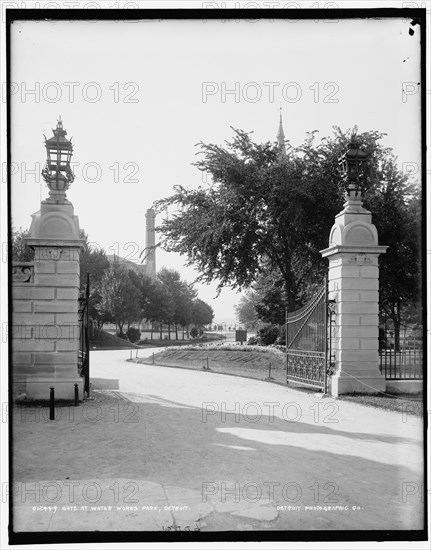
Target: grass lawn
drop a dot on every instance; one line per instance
(250, 364)
(411, 403)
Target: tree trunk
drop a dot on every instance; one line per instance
(152, 329)
(290, 291)
(176, 331)
(161, 331)
(169, 331)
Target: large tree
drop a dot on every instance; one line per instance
(202, 313)
(120, 299)
(158, 306)
(182, 295)
(93, 260)
(245, 310)
(396, 207)
(264, 213)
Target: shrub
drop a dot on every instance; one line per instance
(281, 339)
(133, 334)
(267, 335)
(121, 335)
(194, 332)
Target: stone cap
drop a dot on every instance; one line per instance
(76, 243)
(349, 249)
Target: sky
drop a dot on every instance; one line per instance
(137, 96)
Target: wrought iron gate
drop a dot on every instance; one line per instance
(84, 337)
(308, 342)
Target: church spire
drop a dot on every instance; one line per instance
(280, 137)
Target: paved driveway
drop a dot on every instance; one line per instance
(216, 452)
(317, 452)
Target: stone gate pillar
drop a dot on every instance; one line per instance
(353, 282)
(55, 239)
(48, 308)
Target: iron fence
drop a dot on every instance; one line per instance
(401, 354)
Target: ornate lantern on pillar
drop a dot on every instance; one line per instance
(351, 167)
(57, 171)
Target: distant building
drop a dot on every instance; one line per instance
(150, 242)
(281, 139)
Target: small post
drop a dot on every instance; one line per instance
(130, 354)
(153, 357)
(136, 353)
(269, 375)
(208, 364)
(51, 403)
(286, 336)
(76, 395)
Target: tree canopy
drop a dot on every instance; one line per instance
(267, 215)
(119, 297)
(21, 252)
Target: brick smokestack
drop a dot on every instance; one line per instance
(150, 242)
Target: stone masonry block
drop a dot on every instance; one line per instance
(67, 345)
(369, 343)
(349, 320)
(19, 306)
(335, 261)
(44, 370)
(369, 319)
(358, 355)
(68, 331)
(358, 332)
(358, 284)
(333, 285)
(20, 370)
(31, 292)
(44, 267)
(348, 343)
(22, 331)
(369, 271)
(362, 369)
(68, 267)
(369, 296)
(358, 307)
(58, 306)
(65, 370)
(47, 332)
(33, 345)
(21, 358)
(347, 296)
(33, 318)
(59, 280)
(56, 358)
(344, 271)
(67, 293)
(65, 318)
